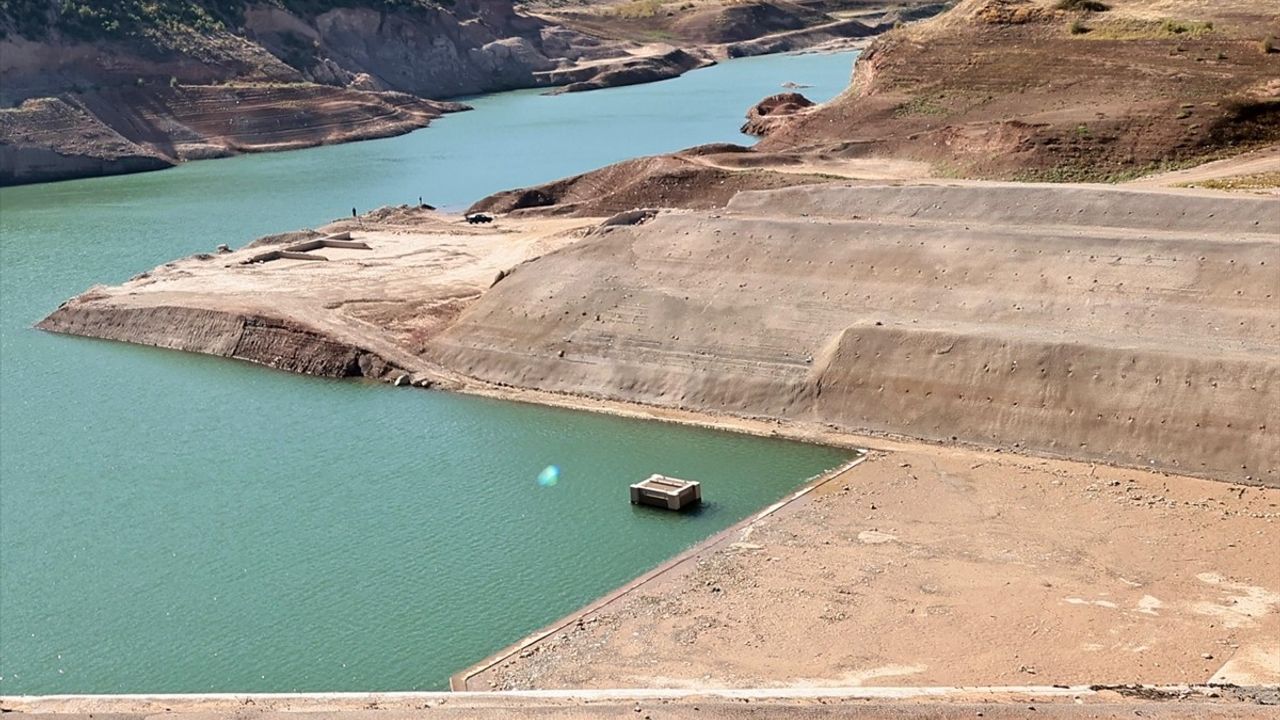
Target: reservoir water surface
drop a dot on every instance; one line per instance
(177, 523)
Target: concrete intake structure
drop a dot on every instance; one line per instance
(670, 493)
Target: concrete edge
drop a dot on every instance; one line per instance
(339, 701)
(458, 681)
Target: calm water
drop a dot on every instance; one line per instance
(176, 523)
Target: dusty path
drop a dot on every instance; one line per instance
(1254, 163)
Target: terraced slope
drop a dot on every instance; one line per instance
(1128, 327)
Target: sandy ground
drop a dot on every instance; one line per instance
(935, 566)
(1266, 160)
(421, 269)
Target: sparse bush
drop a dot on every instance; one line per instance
(1269, 45)
(637, 9)
(1078, 27)
(1186, 27)
(1083, 5)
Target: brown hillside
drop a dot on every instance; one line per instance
(1020, 89)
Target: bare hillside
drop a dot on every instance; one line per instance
(1024, 89)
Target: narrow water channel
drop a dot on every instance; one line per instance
(176, 523)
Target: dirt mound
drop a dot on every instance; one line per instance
(1126, 327)
(1018, 89)
(745, 21)
(669, 181)
(762, 116)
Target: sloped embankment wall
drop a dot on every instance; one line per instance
(1126, 327)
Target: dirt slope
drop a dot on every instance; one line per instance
(1019, 89)
(1127, 327)
(686, 180)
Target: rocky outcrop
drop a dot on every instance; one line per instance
(150, 129)
(649, 67)
(1123, 327)
(273, 342)
(688, 180)
(763, 115)
(51, 139)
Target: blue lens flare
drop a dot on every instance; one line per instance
(549, 476)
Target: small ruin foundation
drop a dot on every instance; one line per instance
(302, 251)
(666, 492)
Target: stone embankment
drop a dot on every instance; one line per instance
(1123, 327)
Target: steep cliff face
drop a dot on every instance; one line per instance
(1135, 328)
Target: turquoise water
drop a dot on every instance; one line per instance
(177, 523)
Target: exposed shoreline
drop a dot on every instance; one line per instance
(459, 681)
(351, 317)
(121, 127)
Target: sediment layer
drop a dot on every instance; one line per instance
(60, 139)
(275, 342)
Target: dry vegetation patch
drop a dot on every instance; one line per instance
(1255, 181)
(1139, 29)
